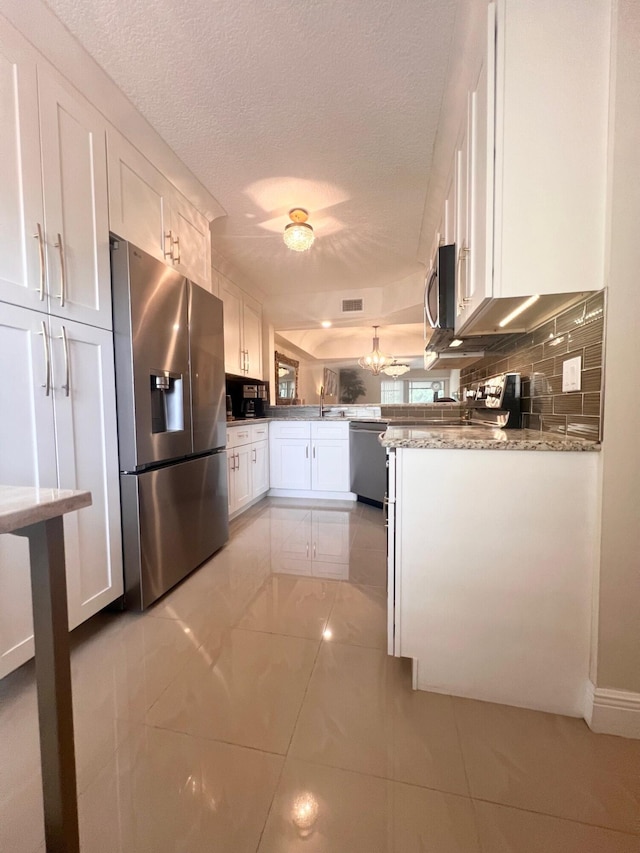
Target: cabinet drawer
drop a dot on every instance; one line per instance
(259, 432)
(324, 429)
(290, 429)
(237, 436)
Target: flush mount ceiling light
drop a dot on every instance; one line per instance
(298, 234)
(396, 369)
(375, 361)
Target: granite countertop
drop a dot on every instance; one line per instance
(21, 506)
(481, 438)
(245, 421)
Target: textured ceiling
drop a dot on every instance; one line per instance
(324, 104)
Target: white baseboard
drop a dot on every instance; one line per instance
(317, 496)
(612, 712)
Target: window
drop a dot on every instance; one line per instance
(391, 392)
(421, 391)
(412, 390)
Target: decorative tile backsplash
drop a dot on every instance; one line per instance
(539, 355)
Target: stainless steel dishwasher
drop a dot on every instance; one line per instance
(368, 460)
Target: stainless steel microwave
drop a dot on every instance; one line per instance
(440, 290)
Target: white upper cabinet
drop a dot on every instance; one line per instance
(53, 203)
(532, 207)
(74, 173)
(462, 216)
(190, 241)
(252, 325)
(146, 209)
(242, 331)
(22, 258)
(138, 198)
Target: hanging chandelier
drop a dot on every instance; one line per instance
(298, 234)
(396, 369)
(375, 361)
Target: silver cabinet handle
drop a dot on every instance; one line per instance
(39, 237)
(307, 549)
(168, 236)
(176, 243)
(306, 452)
(238, 459)
(314, 550)
(233, 461)
(314, 451)
(47, 358)
(65, 346)
(63, 274)
(255, 455)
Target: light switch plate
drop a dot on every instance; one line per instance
(571, 371)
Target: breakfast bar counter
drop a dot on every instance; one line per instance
(37, 515)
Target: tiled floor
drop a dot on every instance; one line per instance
(255, 709)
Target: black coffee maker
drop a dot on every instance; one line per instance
(253, 401)
(249, 400)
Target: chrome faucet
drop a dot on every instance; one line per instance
(322, 401)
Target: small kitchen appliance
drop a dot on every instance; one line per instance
(249, 399)
(253, 400)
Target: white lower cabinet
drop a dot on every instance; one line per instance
(58, 430)
(310, 456)
(247, 464)
(260, 468)
(316, 543)
(503, 613)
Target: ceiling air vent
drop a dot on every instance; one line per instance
(351, 305)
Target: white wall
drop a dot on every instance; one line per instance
(618, 648)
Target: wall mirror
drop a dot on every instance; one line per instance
(286, 380)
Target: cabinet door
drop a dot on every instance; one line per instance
(449, 214)
(21, 215)
(85, 414)
(290, 463)
(76, 209)
(139, 206)
(242, 476)
(252, 328)
(330, 465)
(191, 252)
(231, 482)
(462, 223)
(260, 468)
(27, 458)
(479, 265)
(232, 300)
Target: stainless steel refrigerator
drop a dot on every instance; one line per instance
(170, 390)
